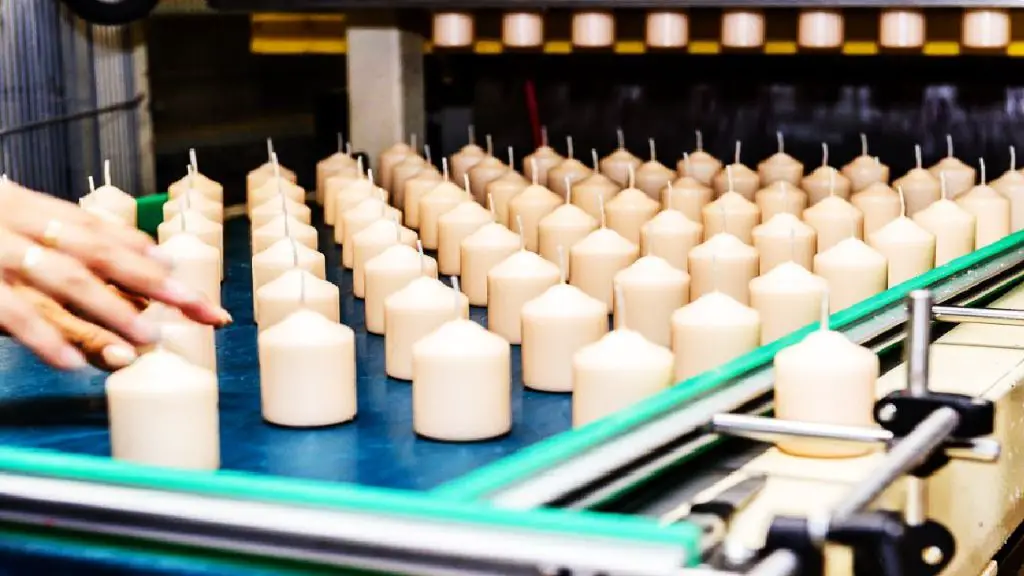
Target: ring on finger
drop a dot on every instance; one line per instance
(51, 235)
(32, 258)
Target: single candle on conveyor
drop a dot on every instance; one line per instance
(462, 383)
(484, 171)
(371, 241)
(343, 182)
(193, 223)
(788, 297)
(825, 181)
(954, 228)
(686, 195)
(699, 165)
(959, 176)
(834, 219)
(731, 213)
(452, 228)
(785, 238)
(391, 157)
(277, 206)
(467, 157)
(191, 196)
(909, 248)
(162, 411)
(724, 263)
(1011, 185)
(617, 165)
(879, 204)
(406, 170)
(482, 250)
(282, 256)
(920, 187)
(563, 228)
(710, 331)
(503, 189)
(198, 181)
(991, 211)
(651, 290)
(629, 210)
(294, 290)
(307, 371)
(258, 177)
(196, 264)
(528, 208)
(595, 260)
(436, 203)
(544, 158)
(556, 325)
(599, 389)
(283, 227)
(865, 170)
(736, 178)
(780, 167)
(589, 192)
(274, 188)
(415, 188)
(652, 176)
(191, 340)
(359, 217)
(389, 272)
(826, 379)
(570, 167)
(670, 235)
(780, 197)
(112, 199)
(513, 282)
(854, 272)
(331, 165)
(412, 313)
(356, 196)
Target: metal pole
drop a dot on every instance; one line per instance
(919, 334)
(773, 430)
(957, 314)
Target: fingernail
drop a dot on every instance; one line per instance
(119, 355)
(156, 253)
(145, 331)
(179, 293)
(72, 359)
(225, 316)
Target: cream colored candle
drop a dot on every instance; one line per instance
(389, 272)
(112, 199)
(829, 380)
(780, 167)
(406, 170)
(391, 157)
(434, 204)
(282, 256)
(986, 28)
(501, 191)
(991, 211)
(854, 272)
(651, 290)
(275, 207)
(600, 384)
(617, 165)
(920, 187)
(1011, 185)
(820, 29)
(467, 157)
(359, 217)
(259, 176)
(296, 289)
(879, 204)
(371, 241)
(544, 158)
(163, 412)
(670, 235)
(687, 196)
(909, 249)
(712, 330)
(570, 167)
(196, 181)
(834, 219)
(563, 228)
(787, 298)
(189, 222)
(101, 213)
(782, 239)
(196, 264)
(412, 313)
(733, 214)
(307, 371)
(593, 29)
(781, 197)
(865, 170)
(194, 200)
(482, 250)
(415, 188)
(283, 227)
(954, 228)
(511, 283)
(452, 228)
(667, 29)
(275, 187)
(743, 28)
(595, 260)
(629, 210)
(699, 165)
(556, 325)
(959, 176)
(461, 385)
(592, 190)
(484, 171)
(349, 197)
(331, 165)
(528, 208)
(901, 28)
(737, 178)
(338, 182)
(825, 181)
(724, 264)
(652, 176)
(193, 341)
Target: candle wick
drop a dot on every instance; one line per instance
(620, 307)
(632, 176)
(106, 172)
(471, 131)
(423, 258)
(191, 172)
(522, 237)
(917, 156)
(568, 147)
(824, 154)
(654, 155)
(295, 252)
(669, 194)
(686, 163)
(490, 145)
(594, 159)
(534, 172)
(1013, 158)
(903, 202)
(700, 140)
(341, 143)
(780, 142)
(561, 264)
(456, 292)
(275, 166)
(444, 169)
(942, 184)
(92, 183)
(348, 151)
(369, 176)
(736, 157)
(568, 190)
(863, 144)
(600, 208)
(824, 308)
(426, 154)
(511, 158)
(270, 149)
(544, 136)
(192, 159)
(490, 206)
(620, 136)
(302, 288)
(728, 178)
(981, 165)
(949, 145)
(412, 141)
(465, 183)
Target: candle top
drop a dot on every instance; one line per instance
(716, 309)
(565, 300)
(536, 195)
(944, 209)
(274, 186)
(294, 283)
(622, 155)
(195, 222)
(780, 159)
(543, 152)
(339, 159)
(398, 149)
(568, 215)
(304, 328)
(917, 176)
(199, 181)
(383, 231)
(160, 372)
(700, 156)
(358, 187)
(342, 178)
(779, 188)
(981, 193)
(283, 223)
(852, 251)
(445, 191)
(828, 346)
(511, 177)
(739, 171)
(524, 263)
(279, 205)
(488, 164)
(470, 150)
(949, 164)
(424, 293)
(460, 338)
(623, 348)
(651, 269)
(191, 198)
(654, 168)
(632, 199)
(788, 277)
(733, 203)
(398, 256)
(110, 196)
(671, 221)
(902, 230)
(369, 207)
(876, 190)
(824, 175)
(411, 161)
(102, 213)
(429, 173)
(188, 246)
(286, 250)
(864, 162)
(492, 234)
(688, 183)
(597, 181)
(467, 211)
(604, 240)
(724, 245)
(784, 225)
(570, 166)
(269, 168)
(832, 206)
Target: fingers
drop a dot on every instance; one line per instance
(19, 317)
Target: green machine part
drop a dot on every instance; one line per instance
(150, 212)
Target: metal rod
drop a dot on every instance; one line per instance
(92, 113)
(773, 430)
(961, 314)
(919, 339)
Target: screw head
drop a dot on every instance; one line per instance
(887, 413)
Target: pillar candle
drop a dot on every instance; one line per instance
(991, 211)
(282, 256)
(778, 198)
(563, 228)
(780, 167)
(196, 180)
(452, 228)
(710, 331)
(490, 168)
(391, 157)
(825, 181)
(592, 190)
(389, 272)
(782, 239)
(359, 217)
(307, 371)
(412, 313)
(335, 184)
(511, 283)
(920, 187)
(834, 219)
(466, 157)
(651, 290)
(196, 264)
(570, 167)
(275, 207)
(699, 165)
(351, 196)
(908, 248)
(276, 187)
(191, 340)
(371, 241)
(959, 176)
(163, 412)
(112, 199)
(854, 272)
(820, 29)
(670, 235)
(829, 380)
(595, 260)
(482, 250)
(954, 228)
(283, 227)
(296, 289)
(688, 196)
(879, 204)
(725, 264)
(629, 210)
(743, 28)
(193, 200)
(901, 28)
(737, 178)
(733, 214)
(652, 176)
(415, 188)
(446, 196)
(402, 172)
(331, 165)
(617, 165)
(528, 208)
(865, 170)
(593, 29)
(101, 213)
(544, 158)
(986, 28)
(667, 29)
(260, 175)
(1011, 185)
(461, 385)
(787, 298)
(501, 191)
(193, 223)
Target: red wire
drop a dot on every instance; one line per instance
(533, 110)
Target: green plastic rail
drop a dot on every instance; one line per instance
(150, 212)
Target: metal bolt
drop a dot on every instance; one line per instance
(887, 413)
(931, 555)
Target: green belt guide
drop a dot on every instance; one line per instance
(151, 212)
